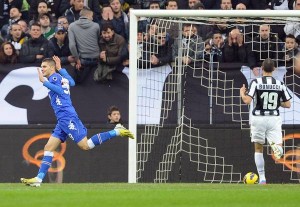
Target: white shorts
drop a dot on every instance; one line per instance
(266, 127)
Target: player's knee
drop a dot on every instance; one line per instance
(84, 147)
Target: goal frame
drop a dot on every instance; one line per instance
(134, 15)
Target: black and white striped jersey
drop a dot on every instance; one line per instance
(267, 93)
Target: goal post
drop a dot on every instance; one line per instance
(179, 15)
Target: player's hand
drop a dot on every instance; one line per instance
(41, 77)
(78, 64)
(243, 90)
(57, 62)
(240, 40)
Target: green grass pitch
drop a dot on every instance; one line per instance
(149, 195)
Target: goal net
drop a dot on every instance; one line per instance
(186, 70)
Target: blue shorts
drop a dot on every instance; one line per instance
(71, 127)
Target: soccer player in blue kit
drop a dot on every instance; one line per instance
(68, 122)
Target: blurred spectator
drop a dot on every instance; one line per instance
(5, 7)
(266, 45)
(204, 30)
(113, 51)
(172, 27)
(114, 115)
(241, 6)
(35, 49)
(59, 46)
(17, 36)
(222, 27)
(235, 50)
(55, 8)
(171, 5)
(63, 21)
(47, 31)
(191, 45)
(145, 4)
(144, 22)
(199, 5)
(84, 36)
(72, 13)
(121, 21)
(8, 53)
(15, 16)
(291, 49)
(293, 27)
(277, 29)
(226, 5)
(42, 8)
(191, 3)
(214, 47)
(157, 50)
(24, 26)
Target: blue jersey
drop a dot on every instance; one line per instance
(59, 94)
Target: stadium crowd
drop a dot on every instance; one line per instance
(93, 35)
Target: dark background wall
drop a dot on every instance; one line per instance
(108, 162)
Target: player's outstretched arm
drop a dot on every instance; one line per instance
(49, 85)
(63, 71)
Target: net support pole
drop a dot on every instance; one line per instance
(132, 143)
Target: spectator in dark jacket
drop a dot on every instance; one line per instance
(35, 49)
(113, 51)
(59, 46)
(235, 50)
(157, 50)
(56, 8)
(5, 6)
(266, 45)
(73, 13)
(121, 21)
(214, 48)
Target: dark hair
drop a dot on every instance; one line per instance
(111, 109)
(168, 1)
(42, 1)
(34, 24)
(268, 65)
(290, 36)
(8, 59)
(107, 26)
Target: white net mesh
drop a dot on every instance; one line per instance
(165, 92)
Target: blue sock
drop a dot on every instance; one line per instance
(46, 164)
(98, 139)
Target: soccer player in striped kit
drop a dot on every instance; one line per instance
(268, 94)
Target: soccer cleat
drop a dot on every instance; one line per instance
(262, 182)
(33, 182)
(126, 133)
(277, 152)
(123, 132)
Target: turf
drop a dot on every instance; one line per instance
(149, 195)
